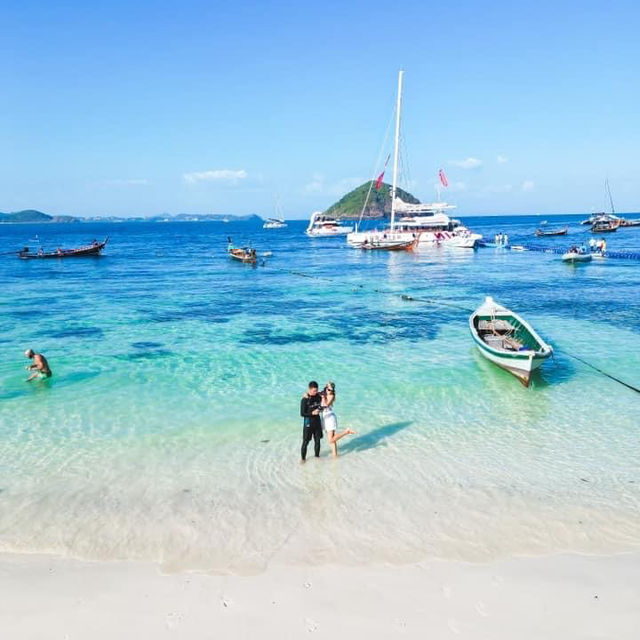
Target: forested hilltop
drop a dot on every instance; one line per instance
(379, 205)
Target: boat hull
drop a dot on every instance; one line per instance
(343, 231)
(81, 252)
(389, 246)
(242, 256)
(576, 258)
(421, 239)
(520, 364)
(549, 234)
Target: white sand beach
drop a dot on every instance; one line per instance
(563, 596)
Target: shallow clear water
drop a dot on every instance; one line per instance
(170, 430)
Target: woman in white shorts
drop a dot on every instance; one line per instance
(330, 420)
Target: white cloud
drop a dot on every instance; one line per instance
(219, 175)
(467, 163)
(528, 185)
(502, 159)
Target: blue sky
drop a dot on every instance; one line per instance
(138, 108)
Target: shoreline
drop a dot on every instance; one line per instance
(560, 596)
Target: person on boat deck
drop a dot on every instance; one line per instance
(330, 420)
(593, 244)
(40, 365)
(505, 239)
(310, 409)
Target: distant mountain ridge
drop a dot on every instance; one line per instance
(378, 206)
(32, 215)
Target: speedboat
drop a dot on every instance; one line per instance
(576, 254)
(322, 226)
(508, 340)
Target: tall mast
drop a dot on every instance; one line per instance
(396, 152)
(606, 182)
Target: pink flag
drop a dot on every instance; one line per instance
(379, 180)
(443, 178)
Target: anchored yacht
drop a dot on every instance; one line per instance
(427, 225)
(321, 225)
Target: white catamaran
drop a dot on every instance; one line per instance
(427, 225)
(277, 222)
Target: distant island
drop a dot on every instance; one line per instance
(379, 205)
(31, 215)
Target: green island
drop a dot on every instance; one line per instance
(378, 206)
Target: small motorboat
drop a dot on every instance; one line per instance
(577, 254)
(242, 254)
(544, 233)
(92, 249)
(506, 339)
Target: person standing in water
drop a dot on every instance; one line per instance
(330, 420)
(40, 365)
(310, 408)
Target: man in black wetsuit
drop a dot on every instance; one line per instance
(310, 411)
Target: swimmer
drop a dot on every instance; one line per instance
(40, 365)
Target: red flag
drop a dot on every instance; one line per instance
(379, 180)
(443, 178)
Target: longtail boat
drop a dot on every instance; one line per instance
(544, 233)
(242, 254)
(92, 249)
(506, 339)
(388, 245)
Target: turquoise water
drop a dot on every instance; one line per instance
(170, 430)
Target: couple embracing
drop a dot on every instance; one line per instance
(317, 410)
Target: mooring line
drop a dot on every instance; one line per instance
(409, 298)
(604, 373)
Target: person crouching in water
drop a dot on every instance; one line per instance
(330, 420)
(40, 364)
